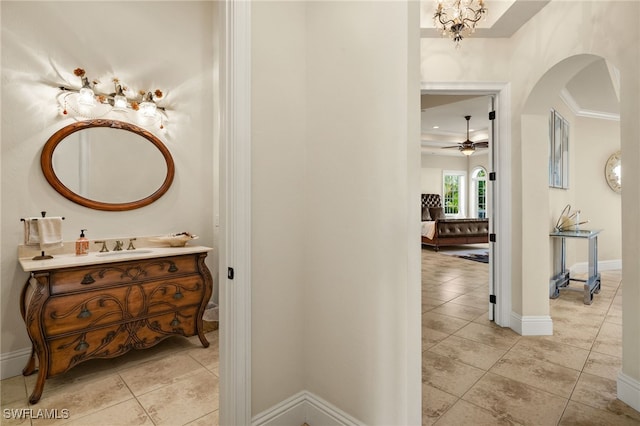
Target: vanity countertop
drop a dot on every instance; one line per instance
(68, 260)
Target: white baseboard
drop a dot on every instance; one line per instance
(304, 407)
(12, 363)
(603, 265)
(532, 325)
(629, 391)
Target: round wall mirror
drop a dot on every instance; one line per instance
(107, 165)
(613, 171)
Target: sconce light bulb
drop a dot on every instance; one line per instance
(119, 102)
(148, 109)
(87, 97)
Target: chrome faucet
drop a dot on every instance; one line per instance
(131, 247)
(118, 246)
(104, 246)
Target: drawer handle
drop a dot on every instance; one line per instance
(88, 279)
(81, 346)
(84, 313)
(178, 295)
(173, 267)
(175, 322)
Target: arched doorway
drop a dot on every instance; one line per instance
(593, 138)
(540, 199)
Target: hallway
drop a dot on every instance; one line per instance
(475, 372)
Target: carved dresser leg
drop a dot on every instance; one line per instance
(37, 390)
(201, 336)
(31, 367)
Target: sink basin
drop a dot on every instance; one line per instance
(124, 253)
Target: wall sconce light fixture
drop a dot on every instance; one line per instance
(87, 102)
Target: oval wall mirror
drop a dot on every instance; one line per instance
(613, 171)
(107, 165)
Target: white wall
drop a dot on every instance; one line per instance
(432, 168)
(595, 141)
(336, 304)
(278, 135)
(363, 90)
(479, 160)
(40, 37)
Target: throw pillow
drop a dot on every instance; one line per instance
(437, 213)
(425, 214)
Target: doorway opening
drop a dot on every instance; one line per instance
(500, 194)
(443, 104)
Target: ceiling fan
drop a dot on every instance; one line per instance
(467, 147)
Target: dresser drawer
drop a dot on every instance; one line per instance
(116, 340)
(173, 294)
(66, 352)
(87, 278)
(81, 311)
(182, 322)
(86, 310)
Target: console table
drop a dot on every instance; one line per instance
(561, 278)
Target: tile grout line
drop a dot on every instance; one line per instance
(137, 400)
(604, 319)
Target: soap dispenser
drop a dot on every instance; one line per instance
(82, 244)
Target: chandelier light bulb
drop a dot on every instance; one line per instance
(458, 18)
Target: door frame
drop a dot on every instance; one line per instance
(501, 221)
(234, 267)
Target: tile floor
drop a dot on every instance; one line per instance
(174, 383)
(476, 373)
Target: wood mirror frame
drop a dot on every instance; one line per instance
(46, 162)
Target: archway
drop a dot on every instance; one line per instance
(535, 178)
(587, 190)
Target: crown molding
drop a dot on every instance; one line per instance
(581, 112)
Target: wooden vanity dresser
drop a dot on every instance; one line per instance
(96, 308)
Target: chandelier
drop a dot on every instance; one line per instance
(458, 18)
(88, 102)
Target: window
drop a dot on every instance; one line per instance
(479, 192)
(453, 193)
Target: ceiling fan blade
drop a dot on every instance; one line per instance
(452, 146)
(481, 144)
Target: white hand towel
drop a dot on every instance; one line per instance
(31, 235)
(50, 231)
